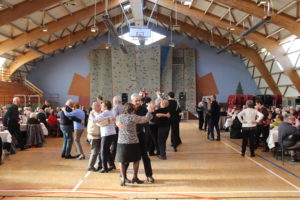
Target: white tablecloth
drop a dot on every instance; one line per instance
(273, 138)
(23, 128)
(6, 136)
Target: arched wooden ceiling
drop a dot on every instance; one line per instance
(202, 19)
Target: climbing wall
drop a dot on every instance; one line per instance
(101, 74)
(125, 73)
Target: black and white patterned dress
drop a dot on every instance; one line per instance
(128, 148)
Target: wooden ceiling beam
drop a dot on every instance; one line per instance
(278, 19)
(54, 26)
(23, 9)
(240, 49)
(271, 45)
(55, 45)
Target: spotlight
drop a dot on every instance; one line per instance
(2, 6)
(231, 28)
(176, 27)
(171, 44)
(261, 2)
(44, 28)
(70, 46)
(94, 29)
(71, 3)
(107, 46)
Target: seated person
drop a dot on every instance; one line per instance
(287, 129)
(277, 122)
(52, 120)
(32, 119)
(41, 116)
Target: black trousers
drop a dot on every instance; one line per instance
(113, 147)
(105, 151)
(146, 160)
(14, 129)
(153, 137)
(214, 123)
(264, 130)
(206, 121)
(248, 135)
(200, 119)
(163, 133)
(175, 137)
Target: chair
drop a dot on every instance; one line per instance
(35, 135)
(295, 147)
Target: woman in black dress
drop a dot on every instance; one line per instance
(128, 147)
(163, 123)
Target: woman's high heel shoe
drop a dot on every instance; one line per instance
(137, 181)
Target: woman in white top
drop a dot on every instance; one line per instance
(108, 133)
(249, 117)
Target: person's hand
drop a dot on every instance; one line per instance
(158, 115)
(120, 125)
(82, 122)
(244, 122)
(168, 115)
(254, 122)
(63, 108)
(113, 119)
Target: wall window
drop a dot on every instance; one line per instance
(292, 49)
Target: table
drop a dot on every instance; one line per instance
(23, 128)
(273, 137)
(6, 136)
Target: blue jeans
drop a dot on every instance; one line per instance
(68, 140)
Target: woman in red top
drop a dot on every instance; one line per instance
(53, 123)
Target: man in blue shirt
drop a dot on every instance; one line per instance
(78, 128)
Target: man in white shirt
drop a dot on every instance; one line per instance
(249, 117)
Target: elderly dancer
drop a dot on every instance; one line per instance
(94, 135)
(129, 149)
(249, 117)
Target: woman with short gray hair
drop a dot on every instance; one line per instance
(249, 117)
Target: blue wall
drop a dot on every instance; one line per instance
(54, 75)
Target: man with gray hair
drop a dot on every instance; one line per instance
(286, 129)
(10, 121)
(66, 126)
(117, 109)
(140, 129)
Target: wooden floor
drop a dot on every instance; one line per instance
(201, 169)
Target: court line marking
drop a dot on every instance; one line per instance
(271, 162)
(264, 167)
(81, 181)
(145, 192)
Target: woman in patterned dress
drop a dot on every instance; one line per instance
(128, 148)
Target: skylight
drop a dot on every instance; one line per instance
(292, 49)
(154, 38)
(2, 62)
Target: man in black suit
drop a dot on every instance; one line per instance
(175, 111)
(11, 119)
(215, 116)
(143, 135)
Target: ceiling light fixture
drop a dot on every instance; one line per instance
(108, 45)
(2, 6)
(70, 45)
(171, 43)
(44, 28)
(261, 2)
(94, 28)
(71, 3)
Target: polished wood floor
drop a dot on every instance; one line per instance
(201, 169)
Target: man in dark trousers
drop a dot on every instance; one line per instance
(175, 118)
(215, 116)
(11, 119)
(200, 111)
(140, 129)
(66, 126)
(263, 127)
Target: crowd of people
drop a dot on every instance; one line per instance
(116, 132)
(254, 121)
